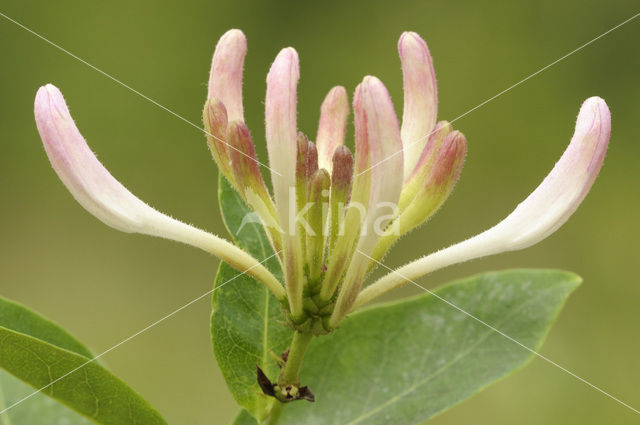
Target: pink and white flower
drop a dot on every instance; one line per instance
(400, 175)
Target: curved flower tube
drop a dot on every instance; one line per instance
(225, 77)
(397, 179)
(420, 97)
(538, 216)
(376, 123)
(282, 143)
(333, 126)
(330, 215)
(103, 196)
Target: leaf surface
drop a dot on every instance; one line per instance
(37, 410)
(45, 356)
(246, 323)
(21, 319)
(406, 361)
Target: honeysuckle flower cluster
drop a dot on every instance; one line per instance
(331, 214)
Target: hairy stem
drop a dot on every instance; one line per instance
(291, 371)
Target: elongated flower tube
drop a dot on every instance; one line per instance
(322, 274)
(107, 199)
(356, 211)
(330, 215)
(225, 77)
(281, 135)
(333, 126)
(380, 125)
(538, 216)
(420, 97)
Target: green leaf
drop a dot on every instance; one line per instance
(39, 353)
(246, 324)
(407, 361)
(37, 410)
(21, 319)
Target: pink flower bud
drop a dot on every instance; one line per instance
(341, 179)
(438, 185)
(281, 135)
(423, 167)
(385, 145)
(333, 125)
(342, 171)
(214, 117)
(225, 78)
(244, 163)
(420, 97)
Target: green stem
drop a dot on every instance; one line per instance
(291, 371)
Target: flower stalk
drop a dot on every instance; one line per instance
(291, 371)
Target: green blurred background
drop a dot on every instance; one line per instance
(104, 285)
